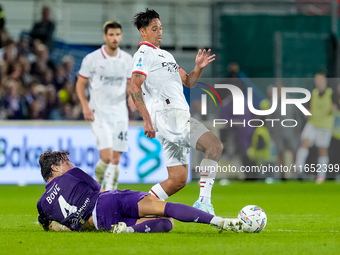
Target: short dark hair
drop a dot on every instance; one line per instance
(49, 158)
(143, 19)
(111, 24)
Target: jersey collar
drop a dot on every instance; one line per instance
(148, 44)
(105, 55)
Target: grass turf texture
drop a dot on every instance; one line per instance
(303, 218)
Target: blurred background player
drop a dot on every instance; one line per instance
(107, 70)
(158, 78)
(318, 129)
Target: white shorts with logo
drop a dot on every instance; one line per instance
(177, 132)
(111, 134)
(320, 137)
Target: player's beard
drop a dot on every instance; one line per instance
(113, 46)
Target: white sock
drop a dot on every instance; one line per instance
(100, 171)
(215, 219)
(323, 161)
(109, 176)
(208, 170)
(301, 157)
(115, 178)
(159, 192)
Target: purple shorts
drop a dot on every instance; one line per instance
(118, 205)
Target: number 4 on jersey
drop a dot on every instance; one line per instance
(64, 206)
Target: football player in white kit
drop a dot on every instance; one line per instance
(108, 72)
(156, 89)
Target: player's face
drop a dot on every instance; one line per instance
(320, 82)
(153, 32)
(113, 37)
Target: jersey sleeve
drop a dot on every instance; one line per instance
(80, 174)
(85, 68)
(142, 61)
(42, 218)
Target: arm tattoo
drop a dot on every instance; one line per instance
(133, 98)
(139, 97)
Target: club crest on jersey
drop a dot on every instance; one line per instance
(139, 64)
(171, 67)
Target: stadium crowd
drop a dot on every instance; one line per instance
(31, 85)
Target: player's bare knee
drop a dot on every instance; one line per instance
(180, 182)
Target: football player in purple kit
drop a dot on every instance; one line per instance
(78, 203)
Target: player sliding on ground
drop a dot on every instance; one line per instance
(157, 90)
(77, 202)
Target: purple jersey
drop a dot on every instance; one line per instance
(69, 199)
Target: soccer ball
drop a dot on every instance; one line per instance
(253, 217)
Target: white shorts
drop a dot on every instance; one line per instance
(110, 134)
(320, 137)
(177, 132)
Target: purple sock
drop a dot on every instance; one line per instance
(186, 213)
(153, 226)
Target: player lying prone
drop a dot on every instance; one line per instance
(77, 202)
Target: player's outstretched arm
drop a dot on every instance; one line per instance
(137, 80)
(80, 89)
(129, 100)
(203, 59)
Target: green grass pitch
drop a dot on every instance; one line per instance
(303, 218)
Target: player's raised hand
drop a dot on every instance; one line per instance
(149, 131)
(88, 113)
(203, 58)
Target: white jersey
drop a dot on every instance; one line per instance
(162, 87)
(107, 76)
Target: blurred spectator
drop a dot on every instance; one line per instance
(68, 64)
(13, 103)
(44, 29)
(36, 100)
(23, 46)
(59, 78)
(65, 94)
(9, 52)
(52, 102)
(26, 76)
(42, 63)
(2, 26)
(47, 77)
